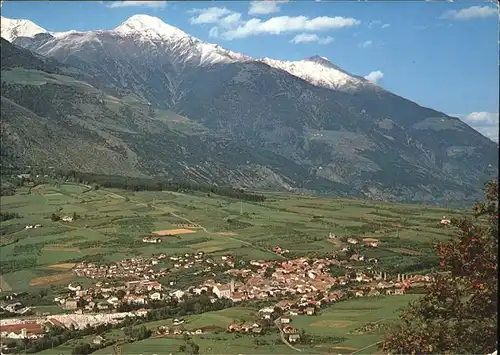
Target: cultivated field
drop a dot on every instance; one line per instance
(111, 224)
(209, 344)
(50, 280)
(343, 318)
(169, 232)
(340, 320)
(64, 266)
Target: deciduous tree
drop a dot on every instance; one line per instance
(458, 314)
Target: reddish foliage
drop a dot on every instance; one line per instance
(459, 312)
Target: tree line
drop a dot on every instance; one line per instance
(139, 184)
(144, 184)
(5, 216)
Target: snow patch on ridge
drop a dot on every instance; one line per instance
(12, 29)
(318, 71)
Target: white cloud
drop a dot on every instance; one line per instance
(215, 15)
(470, 13)
(311, 38)
(485, 123)
(153, 4)
(365, 44)
(375, 76)
(263, 7)
(378, 23)
(231, 20)
(214, 32)
(286, 24)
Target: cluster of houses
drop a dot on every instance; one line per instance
(301, 276)
(130, 281)
(106, 296)
(291, 308)
(306, 283)
(279, 251)
(151, 240)
(27, 330)
(146, 268)
(367, 242)
(177, 329)
(16, 308)
(309, 280)
(290, 333)
(31, 226)
(139, 268)
(281, 313)
(252, 328)
(188, 261)
(297, 276)
(164, 330)
(38, 327)
(445, 221)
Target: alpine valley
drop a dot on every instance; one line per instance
(147, 99)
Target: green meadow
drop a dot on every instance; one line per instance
(340, 320)
(111, 224)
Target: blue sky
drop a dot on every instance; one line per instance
(442, 55)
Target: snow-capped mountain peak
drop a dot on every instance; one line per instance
(160, 37)
(12, 29)
(153, 30)
(149, 26)
(326, 63)
(318, 71)
(320, 60)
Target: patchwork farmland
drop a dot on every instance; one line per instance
(59, 227)
(111, 223)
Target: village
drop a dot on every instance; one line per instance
(134, 286)
(301, 286)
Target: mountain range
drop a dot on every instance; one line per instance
(147, 99)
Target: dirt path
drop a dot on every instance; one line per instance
(283, 339)
(4, 286)
(366, 347)
(117, 196)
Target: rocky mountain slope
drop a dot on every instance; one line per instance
(50, 116)
(305, 125)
